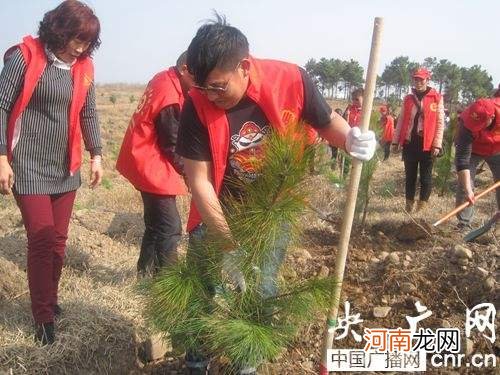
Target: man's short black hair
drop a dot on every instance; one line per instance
(216, 45)
(181, 60)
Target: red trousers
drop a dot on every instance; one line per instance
(46, 219)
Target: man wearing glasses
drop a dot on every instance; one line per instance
(236, 101)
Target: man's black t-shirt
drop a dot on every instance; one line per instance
(248, 128)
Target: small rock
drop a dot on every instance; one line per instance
(381, 311)
(462, 252)
(324, 271)
(363, 257)
(439, 248)
(483, 272)
(392, 258)
(408, 287)
(383, 255)
(303, 253)
(445, 324)
(407, 257)
(489, 283)
(308, 365)
(462, 261)
(384, 300)
(156, 347)
(375, 260)
(290, 273)
(406, 264)
(360, 301)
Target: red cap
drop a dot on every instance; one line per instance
(383, 109)
(422, 73)
(476, 116)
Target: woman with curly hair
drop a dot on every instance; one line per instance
(47, 104)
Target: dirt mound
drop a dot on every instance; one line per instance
(414, 231)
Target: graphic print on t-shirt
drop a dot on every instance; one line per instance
(246, 150)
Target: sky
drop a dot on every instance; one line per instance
(142, 37)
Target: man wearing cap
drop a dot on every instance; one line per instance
(420, 133)
(478, 139)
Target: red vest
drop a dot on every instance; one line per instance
(354, 115)
(277, 89)
(487, 141)
(140, 160)
(82, 73)
(430, 104)
(388, 129)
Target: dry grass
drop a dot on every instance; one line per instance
(102, 320)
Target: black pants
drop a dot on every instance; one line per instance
(162, 234)
(387, 150)
(412, 167)
(335, 151)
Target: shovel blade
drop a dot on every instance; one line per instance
(472, 235)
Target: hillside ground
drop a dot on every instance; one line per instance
(394, 260)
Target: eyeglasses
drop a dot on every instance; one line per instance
(219, 90)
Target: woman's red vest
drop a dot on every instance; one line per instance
(354, 115)
(388, 129)
(82, 72)
(278, 90)
(487, 141)
(140, 160)
(430, 104)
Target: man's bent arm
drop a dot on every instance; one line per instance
(336, 131)
(200, 180)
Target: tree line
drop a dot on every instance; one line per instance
(337, 78)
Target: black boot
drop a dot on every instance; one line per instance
(57, 311)
(45, 333)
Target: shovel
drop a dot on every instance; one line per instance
(472, 235)
(463, 205)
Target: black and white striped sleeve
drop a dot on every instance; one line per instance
(90, 124)
(11, 80)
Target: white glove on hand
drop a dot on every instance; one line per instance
(360, 145)
(230, 267)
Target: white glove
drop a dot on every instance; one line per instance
(360, 145)
(230, 267)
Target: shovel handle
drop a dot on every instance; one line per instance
(463, 205)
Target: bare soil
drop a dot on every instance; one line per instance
(102, 328)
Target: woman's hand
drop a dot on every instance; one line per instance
(96, 171)
(6, 176)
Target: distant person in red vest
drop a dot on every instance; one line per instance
(47, 104)
(334, 150)
(387, 126)
(236, 102)
(352, 113)
(419, 132)
(148, 160)
(478, 139)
